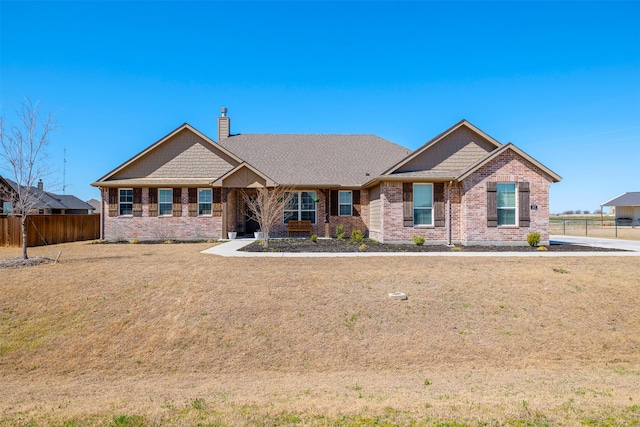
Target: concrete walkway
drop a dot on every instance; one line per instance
(230, 249)
(628, 245)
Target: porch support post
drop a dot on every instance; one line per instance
(327, 210)
(448, 215)
(223, 196)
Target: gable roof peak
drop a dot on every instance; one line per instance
(433, 141)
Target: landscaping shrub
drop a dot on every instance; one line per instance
(357, 236)
(340, 232)
(134, 241)
(314, 238)
(533, 239)
(418, 240)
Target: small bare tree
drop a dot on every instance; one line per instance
(267, 208)
(23, 157)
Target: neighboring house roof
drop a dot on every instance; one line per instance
(631, 198)
(96, 204)
(47, 200)
(316, 160)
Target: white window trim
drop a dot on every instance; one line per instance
(344, 204)
(209, 203)
(315, 206)
(120, 201)
(423, 209)
(498, 208)
(160, 203)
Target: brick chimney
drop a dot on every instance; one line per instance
(224, 125)
(40, 185)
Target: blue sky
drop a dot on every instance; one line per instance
(561, 80)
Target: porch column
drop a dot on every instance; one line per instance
(223, 196)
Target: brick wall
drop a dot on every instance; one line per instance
(467, 223)
(508, 167)
(159, 228)
(392, 227)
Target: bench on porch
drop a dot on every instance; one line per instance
(302, 226)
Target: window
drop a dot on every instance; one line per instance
(506, 203)
(126, 202)
(205, 198)
(345, 206)
(423, 204)
(6, 207)
(165, 202)
(302, 206)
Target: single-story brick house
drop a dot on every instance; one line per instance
(461, 187)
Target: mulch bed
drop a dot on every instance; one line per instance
(335, 245)
(22, 263)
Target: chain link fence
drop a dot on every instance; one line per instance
(606, 228)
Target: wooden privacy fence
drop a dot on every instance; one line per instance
(49, 229)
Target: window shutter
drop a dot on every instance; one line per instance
(153, 202)
(177, 201)
(137, 202)
(355, 201)
(113, 202)
(193, 202)
(492, 204)
(407, 204)
(438, 204)
(523, 202)
(216, 207)
(334, 202)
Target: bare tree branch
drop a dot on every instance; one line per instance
(267, 208)
(24, 158)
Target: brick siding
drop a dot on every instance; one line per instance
(468, 208)
(159, 228)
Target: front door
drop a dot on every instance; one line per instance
(250, 224)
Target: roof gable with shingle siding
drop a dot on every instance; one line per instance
(183, 155)
(455, 152)
(316, 160)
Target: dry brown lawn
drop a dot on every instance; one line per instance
(165, 335)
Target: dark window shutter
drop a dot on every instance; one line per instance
(216, 208)
(523, 202)
(407, 204)
(334, 202)
(113, 202)
(177, 202)
(193, 202)
(492, 204)
(438, 204)
(355, 201)
(137, 202)
(153, 202)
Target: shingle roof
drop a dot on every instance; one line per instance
(51, 200)
(631, 198)
(347, 160)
